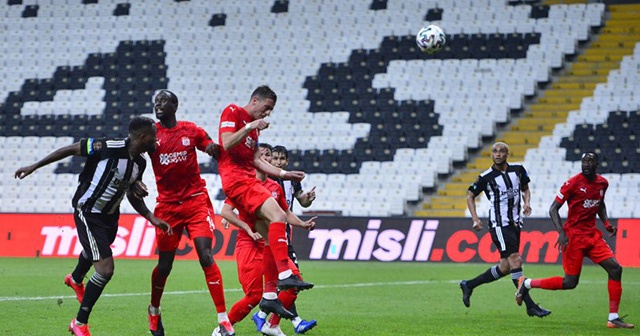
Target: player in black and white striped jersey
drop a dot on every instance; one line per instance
(113, 169)
(506, 186)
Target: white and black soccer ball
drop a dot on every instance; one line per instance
(430, 39)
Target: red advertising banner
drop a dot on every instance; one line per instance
(335, 238)
(54, 235)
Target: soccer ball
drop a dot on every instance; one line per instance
(430, 39)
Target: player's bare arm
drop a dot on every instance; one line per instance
(232, 139)
(294, 220)
(141, 208)
(306, 198)
(526, 198)
(471, 205)
(231, 217)
(269, 169)
(139, 189)
(213, 149)
(602, 213)
(554, 213)
(57, 155)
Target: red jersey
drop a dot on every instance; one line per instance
(175, 162)
(236, 163)
(584, 197)
(277, 193)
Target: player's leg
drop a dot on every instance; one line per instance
(271, 211)
(602, 255)
(492, 274)
(288, 298)
(249, 262)
(96, 233)
(75, 279)
(571, 262)
(167, 245)
(197, 213)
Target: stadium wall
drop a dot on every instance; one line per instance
(335, 238)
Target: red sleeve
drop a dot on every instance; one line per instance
(565, 192)
(228, 120)
(202, 138)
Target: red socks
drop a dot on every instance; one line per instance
(278, 245)
(243, 307)
(214, 282)
(157, 287)
(287, 297)
(615, 292)
(270, 271)
(553, 283)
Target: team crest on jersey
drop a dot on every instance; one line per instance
(186, 141)
(97, 146)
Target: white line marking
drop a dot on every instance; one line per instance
(366, 284)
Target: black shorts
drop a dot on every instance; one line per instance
(506, 239)
(96, 233)
(293, 256)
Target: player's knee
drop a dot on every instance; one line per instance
(570, 283)
(164, 268)
(205, 259)
(615, 272)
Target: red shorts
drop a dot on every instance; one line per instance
(249, 259)
(592, 246)
(247, 195)
(195, 215)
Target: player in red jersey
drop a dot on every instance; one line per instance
(183, 201)
(250, 246)
(239, 129)
(579, 237)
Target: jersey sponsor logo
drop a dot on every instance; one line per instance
(227, 124)
(118, 180)
(510, 193)
(169, 158)
(186, 141)
(590, 203)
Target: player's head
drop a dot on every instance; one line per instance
(499, 153)
(165, 104)
(266, 152)
(280, 156)
(262, 102)
(142, 134)
(589, 164)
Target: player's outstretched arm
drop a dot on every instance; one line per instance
(272, 170)
(57, 155)
(141, 208)
(294, 220)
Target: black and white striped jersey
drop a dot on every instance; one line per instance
(107, 175)
(503, 190)
(290, 188)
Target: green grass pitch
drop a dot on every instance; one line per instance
(350, 298)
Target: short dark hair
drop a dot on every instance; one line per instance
(172, 96)
(281, 149)
(266, 145)
(139, 124)
(264, 91)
